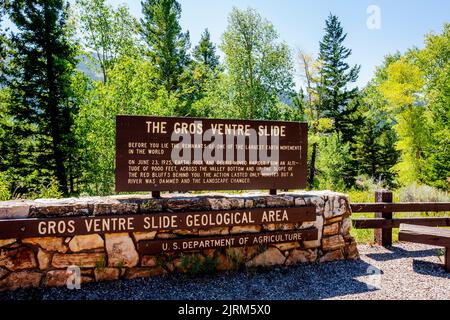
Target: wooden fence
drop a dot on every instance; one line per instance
(383, 222)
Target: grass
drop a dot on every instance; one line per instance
(367, 235)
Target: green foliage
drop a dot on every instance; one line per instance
(167, 47)
(332, 157)
(48, 191)
(260, 69)
(107, 32)
(422, 193)
(39, 72)
(197, 264)
(336, 75)
(5, 193)
(130, 90)
(205, 52)
(57, 125)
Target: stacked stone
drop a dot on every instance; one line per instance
(35, 262)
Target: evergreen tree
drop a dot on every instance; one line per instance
(336, 76)
(167, 45)
(205, 52)
(39, 79)
(375, 140)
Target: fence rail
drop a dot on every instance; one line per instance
(383, 223)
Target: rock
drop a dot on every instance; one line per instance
(18, 259)
(14, 209)
(181, 204)
(82, 260)
(332, 256)
(337, 205)
(333, 220)
(249, 203)
(331, 230)
(299, 202)
(87, 242)
(333, 243)
(44, 259)
(286, 246)
(312, 244)
(138, 236)
(280, 201)
(245, 229)
(270, 257)
(144, 272)
(150, 205)
(106, 274)
(301, 256)
(112, 206)
(3, 273)
(58, 208)
(183, 232)
(226, 203)
(319, 202)
(279, 227)
(121, 250)
(21, 279)
(7, 242)
(149, 261)
(351, 251)
(60, 278)
(224, 263)
(166, 235)
(346, 226)
(48, 243)
(213, 231)
(307, 225)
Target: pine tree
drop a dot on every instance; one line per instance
(167, 45)
(205, 52)
(336, 76)
(39, 79)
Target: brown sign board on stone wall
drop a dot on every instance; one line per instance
(70, 226)
(183, 154)
(242, 240)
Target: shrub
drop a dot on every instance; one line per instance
(422, 193)
(5, 185)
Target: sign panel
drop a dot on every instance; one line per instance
(243, 240)
(70, 226)
(183, 154)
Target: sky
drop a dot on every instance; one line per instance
(300, 23)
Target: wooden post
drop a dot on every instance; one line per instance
(156, 194)
(273, 192)
(383, 236)
(447, 259)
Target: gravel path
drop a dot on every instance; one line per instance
(406, 271)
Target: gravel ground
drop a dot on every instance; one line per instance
(406, 271)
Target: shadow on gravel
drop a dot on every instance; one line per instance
(301, 282)
(400, 253)
(430, 268)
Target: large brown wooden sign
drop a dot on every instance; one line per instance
(182, 154)
(70, 226)
(191, 244)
